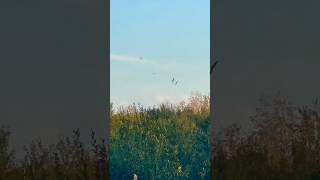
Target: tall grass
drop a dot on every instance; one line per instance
(164, 142)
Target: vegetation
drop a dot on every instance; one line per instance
(68, 159)
(165, 142)
(283, 144)
(172, 142)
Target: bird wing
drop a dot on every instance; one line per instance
(213, 66)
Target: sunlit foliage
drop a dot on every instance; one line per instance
(164, 142)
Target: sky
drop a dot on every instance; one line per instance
(154, 41)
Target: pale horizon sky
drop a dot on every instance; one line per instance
(155, 41)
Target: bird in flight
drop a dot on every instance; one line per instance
(213, 66)
(174, 82)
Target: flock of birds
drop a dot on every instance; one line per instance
(175, 82)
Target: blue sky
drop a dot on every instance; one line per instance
(153, 41)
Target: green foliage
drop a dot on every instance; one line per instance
(165, 142)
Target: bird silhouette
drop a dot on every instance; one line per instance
(174, 82)
(213, 66)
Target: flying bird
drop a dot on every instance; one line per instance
(213, 66)
(174, 82)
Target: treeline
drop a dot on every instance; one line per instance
(68, 159)
(283, 144)
(165, 142)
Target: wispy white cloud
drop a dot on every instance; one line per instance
(166, 66)
(131, 59)
(169, 99)
(162, 99)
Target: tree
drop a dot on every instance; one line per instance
(6, 155)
